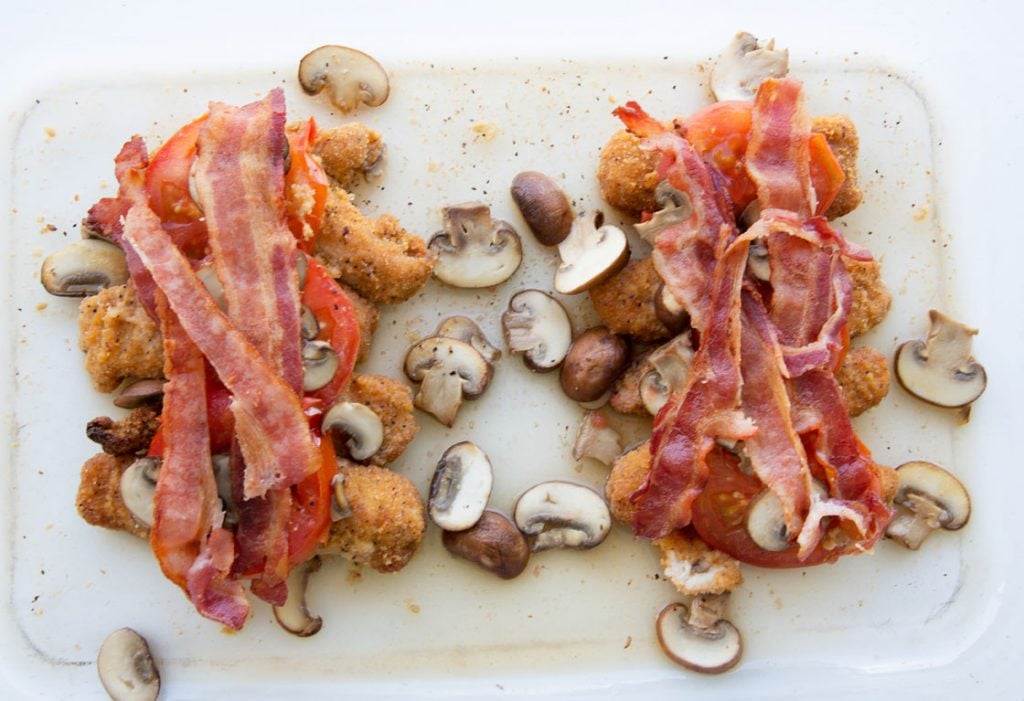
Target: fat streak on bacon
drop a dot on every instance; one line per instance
(763, 371)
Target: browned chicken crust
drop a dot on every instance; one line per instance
(628, 474)
(128, 436)
(864, 379)
(696, 569)
(347, 152)
(367, 316)
(625, 397)
(625, 302)
(392, 402)
(841, 135)
(99, 499)
(628, 174)
(387, 521)
(871, 299)
(376, 257)
(119, 339)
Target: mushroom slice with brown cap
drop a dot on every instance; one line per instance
(559, 514)
(744, 65)
(591, 253)
(475, 250)
(597, 439)
(448, 370)
(928, 498)
(320, 363)
(294, 615)
(357, 425)
(766, 522)
(140, 392)
(670, 311)
(671, 363)
(674, 206)
(126, 667)
(537, 326)
(138, 486)
(461, 487)
(707, 649)
(940, 370)
(464, 329)
(83, 268)
(350, 76)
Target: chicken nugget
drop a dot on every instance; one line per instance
(348, 151)
(625, 302)
(864, 379)
(841, 135)
(871, 299)
(119, 338)
(628, 174)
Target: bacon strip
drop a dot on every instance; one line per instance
(778, 152)
(269, 420)
(193, 550)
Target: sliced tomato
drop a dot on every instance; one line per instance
(310, 518)
(720, 516)
(166, 185)
(338, 326)
(720, 133)
(305, 186)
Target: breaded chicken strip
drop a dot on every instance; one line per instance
(391, 401)
(841, 135)
(628, 474)
(99, 499)
(628, 174)
(367, 316)
(376, 257)
(864, 379)
(871, 299)
(347, 152)
(387, 521)
(625, 302)
(119, 338)
(696, 569)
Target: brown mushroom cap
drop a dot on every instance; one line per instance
(711, 650)
(544, 206)
(494, 543)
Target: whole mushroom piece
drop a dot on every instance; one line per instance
(493, 542)
(474, 250)
(350, 77)
(543, 205)
(941, 370)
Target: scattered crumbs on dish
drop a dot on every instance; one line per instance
(76, 197)
(47, 228)
(228, 631)
(537, 570)
(50, 133)
(37, 253)
(41, 306)
(40, 219)
(485, 131)
(412, 606)
(354, 576)
(629, 642)
(38, 612)
(433, 167)
(920, 214)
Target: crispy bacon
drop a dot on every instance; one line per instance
(193, 550)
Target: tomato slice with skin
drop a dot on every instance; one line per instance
(720, 133)
(720, 517)
(305, 186)
(167, 188)
(338, 326)
(310, 518)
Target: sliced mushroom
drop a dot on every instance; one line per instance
(351, 77)
(766, 522)
(671, 363)
(222, 476)
(475, 250)
(464, 329)
(709, 650)
(560, 514)
(493, 542)
(448, 370)
(340, 506)
(675, 207)
(670, 311)
(591, 253)
(310, 326)
(543, 205)
(208, 276)
(940, 370)
(356, 426)
(83, 268)
(929, 498)
(595, 360)
(597, 439)
(138, 485)
(537, 326)
(138, 393)
(461, 487)
(758, 262)
(126, 667)
(744, 65)
(294, 615)
(320, 364)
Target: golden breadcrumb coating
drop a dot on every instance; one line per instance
(119, 339)
(628, 174)
(890, 483)
(387, 521)
(390, 400)
(376, 257)
(367, 316)
(841, 135)
(625, 302)
(347, 152)
(628, 474)
(696, 569)
(864, 379)
(625, 397)
(99, 499)
(871, 299)
(128, 436)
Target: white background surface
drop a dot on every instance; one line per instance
(934, 94)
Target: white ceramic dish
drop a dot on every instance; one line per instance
(462, 120)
